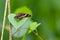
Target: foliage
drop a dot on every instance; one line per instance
(45, 11)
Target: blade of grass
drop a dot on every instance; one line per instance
(4, 20)
(10, 30)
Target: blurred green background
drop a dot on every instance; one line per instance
(47, 12)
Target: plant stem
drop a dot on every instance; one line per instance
(4, 20)
(10, 30)
(36, 33)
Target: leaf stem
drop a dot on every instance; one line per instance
(4, 20)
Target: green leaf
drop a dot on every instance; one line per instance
(21, 31)
(24, 10)
(33, 26)
(14, 22)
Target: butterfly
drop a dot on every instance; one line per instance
(22, 15)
